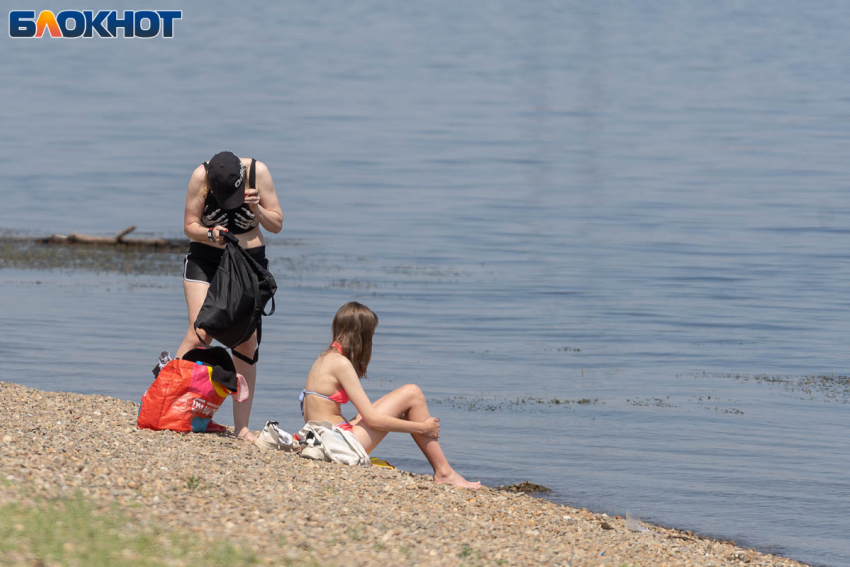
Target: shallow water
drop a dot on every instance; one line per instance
(640, 207)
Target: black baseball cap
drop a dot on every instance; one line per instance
(226, 176)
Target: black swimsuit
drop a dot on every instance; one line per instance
(202, 261)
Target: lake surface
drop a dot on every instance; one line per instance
(643, 209)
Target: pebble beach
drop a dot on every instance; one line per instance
(287, 510)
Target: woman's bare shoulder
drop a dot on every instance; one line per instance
(331, 363)
(199, 174)
(340, 367)
(323, 373)
(264, 176)
(198, 181)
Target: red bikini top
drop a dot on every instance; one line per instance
(340, 396)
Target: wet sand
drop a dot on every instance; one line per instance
(290, 510)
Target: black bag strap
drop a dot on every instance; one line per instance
(243, 358)
(197, 334)
(270, 312)
(251, 361)
(252, 175)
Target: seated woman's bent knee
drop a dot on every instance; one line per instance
(413, 390)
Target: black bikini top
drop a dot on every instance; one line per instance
(236, 221)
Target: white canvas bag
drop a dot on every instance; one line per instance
(338, 445)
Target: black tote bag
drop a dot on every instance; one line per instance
(237, 297)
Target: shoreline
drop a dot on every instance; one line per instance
(286, 509)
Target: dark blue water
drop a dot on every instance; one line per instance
(642, 207)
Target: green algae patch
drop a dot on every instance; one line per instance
(832, 387)
(518, 405)
(526, 487)
(25, 255)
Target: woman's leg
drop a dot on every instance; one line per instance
(242, 410)
(196, 293)
(408, 402)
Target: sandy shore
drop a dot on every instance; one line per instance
(290, 510)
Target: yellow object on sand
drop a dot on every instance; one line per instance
(376, 462)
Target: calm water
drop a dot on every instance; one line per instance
(641, 207)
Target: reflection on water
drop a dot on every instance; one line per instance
(639, 206)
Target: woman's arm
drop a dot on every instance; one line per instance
(348, 379)
(192, 226)
(264, 202)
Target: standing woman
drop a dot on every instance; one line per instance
(235, 195)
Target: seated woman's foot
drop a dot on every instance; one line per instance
(455, 479)
(246, 435)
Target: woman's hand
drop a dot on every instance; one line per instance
(252, 198)
(432, 428)
(217, 230)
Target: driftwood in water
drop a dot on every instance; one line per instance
(117, 240)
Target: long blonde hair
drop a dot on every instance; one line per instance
(353, 327)
(205, 189)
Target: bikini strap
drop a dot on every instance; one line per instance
(252, 175)
(312, 393)
(337, 346)
(304, 392)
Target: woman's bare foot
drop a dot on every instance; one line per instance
(246, 435)
(453, 478)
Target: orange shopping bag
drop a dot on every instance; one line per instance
(183, 397)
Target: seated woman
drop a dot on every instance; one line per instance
(335, 377)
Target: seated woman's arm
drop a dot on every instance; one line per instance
(348, 379)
